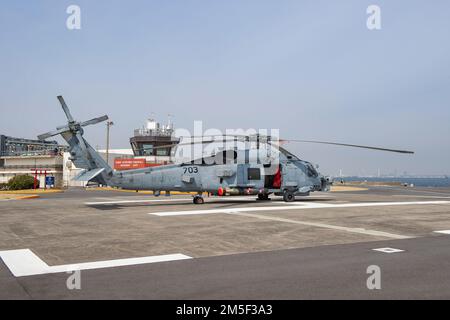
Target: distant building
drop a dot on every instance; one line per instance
(146, 139)
(151, 146)
(31, 157)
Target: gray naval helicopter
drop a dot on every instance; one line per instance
(269, 169)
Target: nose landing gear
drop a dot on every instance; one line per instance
(288, 196)
(198, 199)
(263, 197)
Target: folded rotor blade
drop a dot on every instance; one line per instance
(94, 121)
(65, 108)
(349, 145)
(53, 133)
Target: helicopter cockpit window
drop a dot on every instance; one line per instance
(310, 170)
(287, 154)
(254, 174)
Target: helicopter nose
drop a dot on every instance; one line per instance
(326, 183)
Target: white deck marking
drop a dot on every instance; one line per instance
(442, 231)
(388, 250)
(414, 196)
(134, 201)
(211, 199)
(24, 263)
(296, 206)
(424, 191)
(327, 226)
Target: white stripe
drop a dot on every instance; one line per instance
(328, 226)
(296, 206)
(388, 250)
(414, 196)
(443, 231)
(133, 201)
(207, 199)
(423, 191)
(24, 263)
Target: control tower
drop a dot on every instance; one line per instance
(147, 141)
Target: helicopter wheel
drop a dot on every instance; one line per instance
(263, 197)
(198, 200)
(288, 196)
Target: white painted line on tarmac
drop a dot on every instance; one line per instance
(296, 206)
(210, 199)
(24, 263)
(136, 201)
(388, 250)
(414, 196)
(424, 191)
(212, 211)
(327, 226)
(442, 231)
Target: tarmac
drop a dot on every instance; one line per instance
(135, 246)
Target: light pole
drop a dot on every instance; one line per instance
(108, 126)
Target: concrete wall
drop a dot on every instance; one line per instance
(33, 161)
(23, 165)
(70, 171)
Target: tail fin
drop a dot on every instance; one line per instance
(81, 153)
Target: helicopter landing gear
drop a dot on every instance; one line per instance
(288, 196)
(198, 199)
(263, 197)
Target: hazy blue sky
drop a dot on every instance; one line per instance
(310, 68)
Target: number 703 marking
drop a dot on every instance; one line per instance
(191, 170)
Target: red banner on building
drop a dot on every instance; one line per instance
(130, 163)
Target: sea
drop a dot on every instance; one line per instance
(418, 182)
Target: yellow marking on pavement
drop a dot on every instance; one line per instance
(17, 196)
(31, 191)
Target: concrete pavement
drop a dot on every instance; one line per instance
(241, 248)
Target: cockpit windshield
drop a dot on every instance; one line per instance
(288, 155)
(311, 171)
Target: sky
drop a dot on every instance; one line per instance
(311, 69)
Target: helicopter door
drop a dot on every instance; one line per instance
(271, 180)
(247, 175)
(241, 179)
(289, 176)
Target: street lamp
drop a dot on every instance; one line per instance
(108, 126)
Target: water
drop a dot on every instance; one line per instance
(418, 182)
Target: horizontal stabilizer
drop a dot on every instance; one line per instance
(88, 175)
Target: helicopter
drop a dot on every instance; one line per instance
(266, 169)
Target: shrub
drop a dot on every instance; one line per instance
(21, 183)
(3, 186)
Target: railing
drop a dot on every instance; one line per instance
(32, 166)
(31, 153)
(150, 132)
